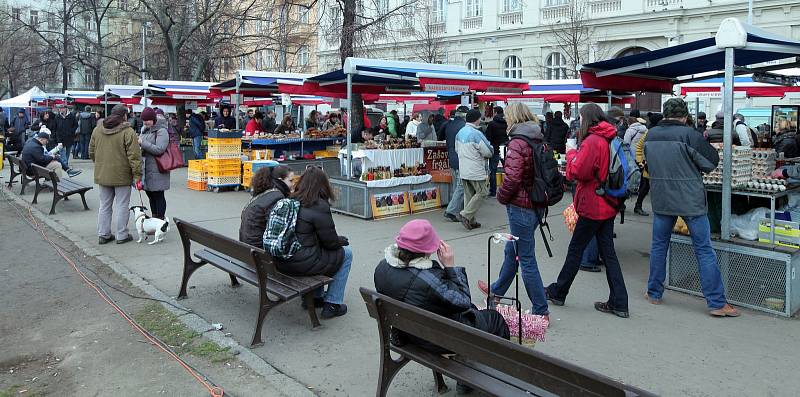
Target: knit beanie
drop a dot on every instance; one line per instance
(149, 114)
(675, 108)
(473, 115)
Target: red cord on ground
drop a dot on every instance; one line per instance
(215, 391)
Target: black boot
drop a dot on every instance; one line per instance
(639, 211)
(331, 310)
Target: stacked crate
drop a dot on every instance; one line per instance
(247, 174)
(223, 159)
(198, 175)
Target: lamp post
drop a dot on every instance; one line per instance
(145, 26)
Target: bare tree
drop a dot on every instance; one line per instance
(22, 63)
(93, 37)
(428, 34)
(572, 35)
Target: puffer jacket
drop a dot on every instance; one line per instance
(634, 134)
(588, 166)
(155, 141)
(256, 214)
(676, 156)
(424, 283)
(473, 149)
(321, 250)
(116, 154)
(518, 166)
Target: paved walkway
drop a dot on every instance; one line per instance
(673, 349)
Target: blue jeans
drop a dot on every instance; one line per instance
(63, 156)
(493, 162)
(591, 255)
(522, 223)
(197, 143)
(335, 293)
(84, 144)
(700, 231)
(456, 204)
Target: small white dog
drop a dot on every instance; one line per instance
(145, 225)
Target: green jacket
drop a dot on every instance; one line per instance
(391, 124)
(116, 154)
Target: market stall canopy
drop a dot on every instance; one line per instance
(24, 100)
(124, 93)
(257, 83)
(559, 91)
(85, 97)
(659, 70)
(163, 92)
(375, 76)
(744, 84)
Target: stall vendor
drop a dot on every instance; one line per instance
(254, 125)
(225, 120)
(332, 122)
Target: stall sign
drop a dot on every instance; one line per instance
(187, 96)
(425, 199)
(437, 163)
(447, 87)
(387, 205)
(191, 105)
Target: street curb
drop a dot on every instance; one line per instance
(281, 381)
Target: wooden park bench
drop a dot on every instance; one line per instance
(479, 359)
(21, 170)
(62, 188)
(251, 264)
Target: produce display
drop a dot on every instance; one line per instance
(393, 143)
(335, 132)
(741, 167)
(385, 172)
(751, 170)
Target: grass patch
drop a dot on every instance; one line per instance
(166, 326)
(13, 391)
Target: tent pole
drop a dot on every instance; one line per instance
(349, 126)
(696, 111)
(727, 101)
(608, 92)
(236, 105)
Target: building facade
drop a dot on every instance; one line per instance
(547, 39)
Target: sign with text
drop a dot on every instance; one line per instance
(387, 205)
(425, 199)
(437, 163)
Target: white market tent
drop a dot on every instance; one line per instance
(24, 100)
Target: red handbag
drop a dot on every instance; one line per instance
(171, 159)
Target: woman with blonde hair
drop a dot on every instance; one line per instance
(523, 217)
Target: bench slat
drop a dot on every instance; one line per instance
(505, 386)
(237, 267)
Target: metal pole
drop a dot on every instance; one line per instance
(608, 92)
(236, 105)
(144, 62)
(727, 102)
(349, 126)
(750, 12)
(696, 111)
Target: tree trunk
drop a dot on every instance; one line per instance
(174, 67)
(346, 50)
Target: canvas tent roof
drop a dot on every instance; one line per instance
(23, 100)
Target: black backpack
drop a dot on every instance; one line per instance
(548, 183)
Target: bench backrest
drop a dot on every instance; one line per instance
(23, 168)
(548, 373)
(235, 249)
(48, 175)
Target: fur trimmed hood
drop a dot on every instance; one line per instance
(423, 263)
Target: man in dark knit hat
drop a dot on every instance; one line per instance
(117, 157)
(473, 150)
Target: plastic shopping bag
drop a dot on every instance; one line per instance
(570, 217)
(746, 226)
(534, 326)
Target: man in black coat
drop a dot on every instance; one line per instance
(269, 125)
(557, 133)
(497, 134)
(66, 129)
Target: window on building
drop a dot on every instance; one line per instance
(511, 6)
(16, 14)
(303, 56)
(88, 24)
(382, 7)
(34, 18)
(556, 66)
(474, 8)
(512, 67)
(474, 66)
(226, 66)
(551, 3)
(438, 8)
(51, 21)
(302, 13)
(88, 77)
(335, 15)
(150, 30)
(123, 5)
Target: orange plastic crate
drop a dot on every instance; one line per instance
(194, 185)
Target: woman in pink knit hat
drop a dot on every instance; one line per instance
(407, 273)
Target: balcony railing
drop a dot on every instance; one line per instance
(660, 4)
(605, 6)
(438, 28)
(472, 23)
(511, 18)
(555, 12)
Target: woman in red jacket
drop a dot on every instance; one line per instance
(588, 166)
(523, 218)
